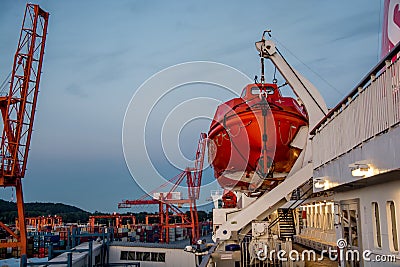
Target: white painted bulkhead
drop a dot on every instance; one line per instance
(381, 194)
(363, 134)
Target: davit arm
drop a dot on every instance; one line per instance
(303, 88)
(301, 171)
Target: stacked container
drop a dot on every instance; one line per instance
(179, 233)
(171, 233)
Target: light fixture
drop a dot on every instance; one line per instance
(324, 183)
(361, 169)
(319, 183)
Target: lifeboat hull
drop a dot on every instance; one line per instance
(250, 140)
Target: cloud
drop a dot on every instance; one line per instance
(107, 50)
(76, 90)
(354, 26)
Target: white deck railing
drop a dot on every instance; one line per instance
(372, 108)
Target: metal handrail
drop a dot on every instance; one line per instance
(205, 260)
(374, 71)
(24, 262)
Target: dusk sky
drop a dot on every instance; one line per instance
(98, 53)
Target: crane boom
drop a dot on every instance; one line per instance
(193, 179)
(18, 107)
(18, 110)
(303, 88)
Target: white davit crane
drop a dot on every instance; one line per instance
(302, 170)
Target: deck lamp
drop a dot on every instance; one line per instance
(320, 183)
(361, 169)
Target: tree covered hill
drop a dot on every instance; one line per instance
(8, 211)
(70, 214)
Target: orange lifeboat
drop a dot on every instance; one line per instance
(251, 139)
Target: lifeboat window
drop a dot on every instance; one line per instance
(256, 90)
(243, 93)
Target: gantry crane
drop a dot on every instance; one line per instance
(115, 217)
(167, 204)
(18, 111)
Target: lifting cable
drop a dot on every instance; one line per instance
(313, 71)
(240, 153)
(298, 78)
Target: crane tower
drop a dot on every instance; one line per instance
(18, 111)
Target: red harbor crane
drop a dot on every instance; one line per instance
(168, 203)
(115, 217)
(18, 111)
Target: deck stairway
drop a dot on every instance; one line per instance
(280, 195)
(286, 223)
